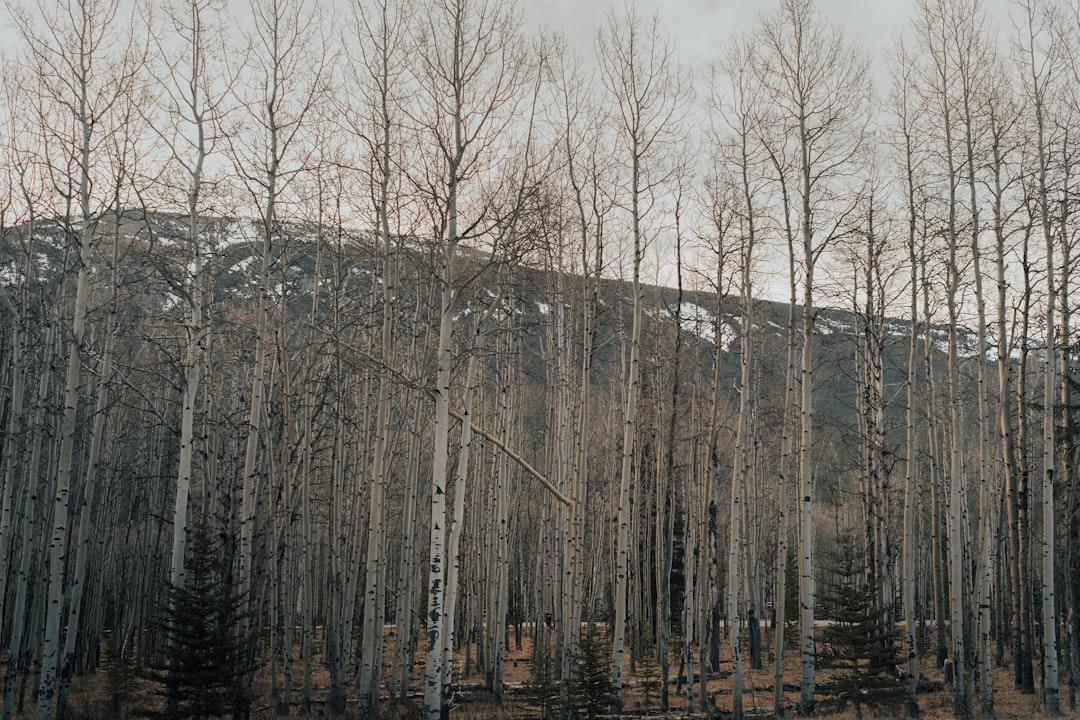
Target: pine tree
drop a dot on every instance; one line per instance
(206, 662)
(861, 653)
(543, 689)
(592, 690)
(120, 677)
(649, 675)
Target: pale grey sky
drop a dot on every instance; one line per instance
(701, 27)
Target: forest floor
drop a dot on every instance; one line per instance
(91, 693)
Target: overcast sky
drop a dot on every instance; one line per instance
(701, 27)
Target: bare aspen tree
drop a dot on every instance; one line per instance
(818, 86)
(1069, 235)
(309, 556)
(10, 182)
(456, 529)
(24, 615)
(666, 480)
(944, 34)
(1067, 478)
(906, 110)
(498, 554)
(742, 152)
(24, 190)
(649, 92)
(344, 531)
(191, 109)
(583, 154)
(457, 523)
(780, 163)
(377, 72)
(509, 205)
(24, 158)
(742, 461)
(724, 212)
(93, 458)
(468, 70)
(1037, 61)
(1003, 116)
(406, 582)
(972, 63)
(282, 86)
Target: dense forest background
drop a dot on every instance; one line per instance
(325, 331)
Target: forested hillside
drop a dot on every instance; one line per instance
(353, 344)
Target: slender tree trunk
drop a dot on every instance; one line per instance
(1049, 568)
(1017, 566)
(806, 440)
(457, 528)
(911, 466)
(742, 465)
(984, 581)
(622, 544)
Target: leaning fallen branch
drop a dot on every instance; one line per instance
(430, 393)
(513, 456)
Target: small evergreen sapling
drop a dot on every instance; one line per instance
(649, 675)
(206, 662)
(543, 689)
(862, 654)
(592, 690)
(120, 680)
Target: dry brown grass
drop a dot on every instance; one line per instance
(90, 699)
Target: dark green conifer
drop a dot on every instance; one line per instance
(592, 691)
(542, 688)
(206, 662)
(649, 675)
(860, 656)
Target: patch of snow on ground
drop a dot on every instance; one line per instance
(827, 326)
(698, 320)
(543, 307)
(728, 337)
(242, 266)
